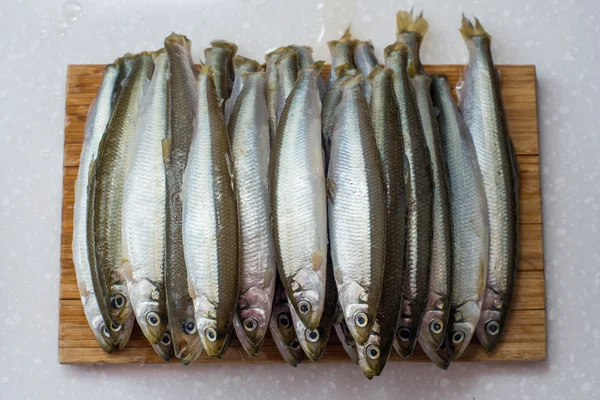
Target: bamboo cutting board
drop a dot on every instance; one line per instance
(524, 337)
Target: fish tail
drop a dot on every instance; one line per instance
(376, 71)
(469, 31)
(349, 84)
(398, 46)
(406, 23)
(345, 69)
(224, 44)
(347, 36)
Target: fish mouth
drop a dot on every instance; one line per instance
(406, 337)
(252, 345)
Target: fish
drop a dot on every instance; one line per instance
(385, 118)
(220, 57)
(282, 329)
(331, 99)
(241, 65)
(356, 212)
(441, 356)
(419, 200)
(287, 72)
(435, 319)
(210, 222)
(271, 93)
(105, 195)
(298, 199)
(183, 104)
(342, 52)
(366, 61)
(344, 335)
(305, 59)
(96, 123)
(314, 341)
(469, 213)
(164, 347)
(144, 194)
(481, 105)
(249, 129)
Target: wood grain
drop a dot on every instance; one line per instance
(524, 337)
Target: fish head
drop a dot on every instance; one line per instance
(463, 320)
(96, 322)
(371, 359)
(359, 310)
(441, 357)
(148, 301)
(433, 326)
(281, 322)
(215, 333)
(308, 294)
(120, 304)
(252, 319)
(184, 335)
(312, 341)
(291, 352)
(490, 324)
(164, 348)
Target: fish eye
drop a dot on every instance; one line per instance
(373, 352)
(284, 319)
(436, 326)
(189, 327)
(211, 334)
(312, 336)
(295, 345)
(405, 334)
(166, 339)
(118, 300)
(492, 328)
(153, 318)
(114, 327)
(458, 337)
(105, 331)
(361, 319)
(250, 324)
(303, 307)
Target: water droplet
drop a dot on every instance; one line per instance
(60, 28)
(43, 33)
(72, 10)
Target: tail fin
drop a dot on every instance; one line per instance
(224, 44)
(396, 47)
(468, 31)
(345, 70)
(351, 83)
(244, 64)
(406, 23)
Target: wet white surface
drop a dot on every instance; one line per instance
(40, 37)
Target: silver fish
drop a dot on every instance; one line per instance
(107, 177)
(314, 341)
(271, 93)
(164, 348)
(470, 232)
(356, 212)
(332, 98)
(95, 127)
(366, 61)
(249, 130)
(241, 65)
(385, 118)
(342, 52)
(419, 199)
(143, 215)
(305, 59)
(183, 100)
(282, 329)
(287, 72)
(298, 199)
(344, 335)
(220, 57)
(481, 106)
(435, 319)
(440, 357)
(210, 223)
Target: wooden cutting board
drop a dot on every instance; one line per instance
(524, 337)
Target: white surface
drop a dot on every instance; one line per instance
(560, 37)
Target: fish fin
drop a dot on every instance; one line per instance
(406, 23)
(191, 290)
(224, 44)
(92, 170)
(166, 148)
(398, 46)
(350, 83)
(248, 64)
(347, 36)
(468, 31)
(345, 70)
(411, 69)
(330, 189)
(376, 71)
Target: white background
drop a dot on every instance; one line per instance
(560, 37)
